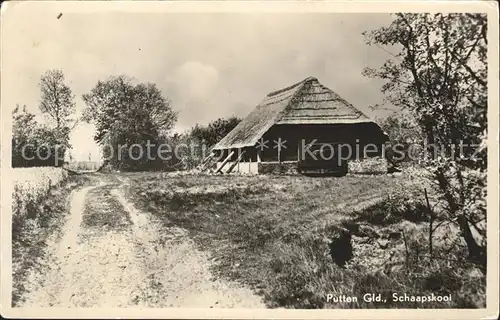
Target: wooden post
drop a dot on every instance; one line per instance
(224, 162)
(279, 156)
(279, 151)
(235, 163)
(207, 158)
(298, 152)
(259, 159)
(238, 165)
(250, 164)
(298, 156)
(206, 162)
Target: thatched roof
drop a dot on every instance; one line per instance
(306, 102)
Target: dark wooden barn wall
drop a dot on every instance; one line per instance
(356, 135)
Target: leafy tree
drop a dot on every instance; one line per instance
(214, 131)
(24, 126)
(125, 114)
(440, 75)
(189, 148)
(58, 105)
(185, 152)
(202, 138)
(57, 100)
(405, 138)
(34, 144)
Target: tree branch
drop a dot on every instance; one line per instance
(469, 69)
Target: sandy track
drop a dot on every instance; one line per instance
(143, 264)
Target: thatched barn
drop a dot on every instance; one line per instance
(302, 127)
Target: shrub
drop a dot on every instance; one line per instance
(31, 186)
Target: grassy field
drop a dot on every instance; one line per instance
(292, 239)
(295, 239)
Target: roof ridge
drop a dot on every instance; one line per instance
(284, 106)
(292, 98)
(346, 103)
(276, 92)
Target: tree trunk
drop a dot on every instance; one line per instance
(431, 221)
(477, 253)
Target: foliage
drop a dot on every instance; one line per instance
(214, 131)
(440, 75)
(34, 144)
(57, 100)
(405, 138)
(195, 144)
(125, 114)
(185, 152)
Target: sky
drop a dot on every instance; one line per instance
(209, 65)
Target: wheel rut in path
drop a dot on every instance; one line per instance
(113, 255)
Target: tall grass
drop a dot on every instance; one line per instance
(276, 235)
(30, 187)
(41, 204)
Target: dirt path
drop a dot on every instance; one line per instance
(113, 255)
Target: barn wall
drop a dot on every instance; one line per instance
(355, 135)
(241, 167)
(294, 137)
(375, 165)
(287, 167)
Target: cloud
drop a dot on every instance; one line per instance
(196, 80)
(204, 74)
(193, 90)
